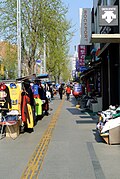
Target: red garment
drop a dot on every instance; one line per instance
(68, 90)
(24, 109)
(36, 96)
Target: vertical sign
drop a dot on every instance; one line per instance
(85, 26)
(98, 81)
(81, 54)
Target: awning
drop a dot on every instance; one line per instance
(86, 72)
(94, 65)
(43, 76)
(30, 77)
(105, 38)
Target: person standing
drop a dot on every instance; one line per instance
(60, 91)
(68, 91)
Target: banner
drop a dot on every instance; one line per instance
(85, 26)
(81, 54)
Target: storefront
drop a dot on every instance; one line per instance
(109, 56)
(91, 78)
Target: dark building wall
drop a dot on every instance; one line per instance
(104, 80)
(114, 67)
(111, 54)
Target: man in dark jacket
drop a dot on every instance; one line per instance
(61, 91)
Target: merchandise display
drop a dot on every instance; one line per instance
(108, 120)
(15, 95)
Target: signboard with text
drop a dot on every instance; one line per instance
(85, 26)
(81, 54)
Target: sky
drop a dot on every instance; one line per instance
(73, 16)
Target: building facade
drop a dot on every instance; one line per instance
(108, 55)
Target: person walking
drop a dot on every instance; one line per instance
(60, 91)
(68, 92)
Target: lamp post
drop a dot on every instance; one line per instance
(44, 55)
(19, 37)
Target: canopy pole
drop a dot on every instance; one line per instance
(19, 37)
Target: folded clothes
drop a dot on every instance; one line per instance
(11, 118)
(13, 112)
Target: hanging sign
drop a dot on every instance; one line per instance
(108, 15)
(85, 26)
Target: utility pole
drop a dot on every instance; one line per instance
(19, 36)
(44, 56)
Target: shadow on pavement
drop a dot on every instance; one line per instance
(85, 121)
(98, 138)
(74, 111)
(87, 117)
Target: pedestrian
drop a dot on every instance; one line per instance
(61, 91)
(68, 92)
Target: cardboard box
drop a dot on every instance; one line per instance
(114, 135)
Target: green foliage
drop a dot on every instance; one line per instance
(42, 21)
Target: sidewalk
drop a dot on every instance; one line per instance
(74, 149)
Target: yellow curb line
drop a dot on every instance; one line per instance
(34, 165)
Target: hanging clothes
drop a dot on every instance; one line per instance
(5, 101)
(38, 106)
(26, 110)
(27, 103)
(15, 95)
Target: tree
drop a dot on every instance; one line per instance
(8, 55)
(42, 22)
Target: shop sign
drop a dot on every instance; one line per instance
(98, 81)
(108, 15)
(77, 65)
(85, 26)
(81, 54)
(106, 30)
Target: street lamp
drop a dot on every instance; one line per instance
(19, 37)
